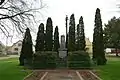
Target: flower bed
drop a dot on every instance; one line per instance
(86, 75)
(96, 72)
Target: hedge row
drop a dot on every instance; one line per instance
(43, 60)
(76, 59)
(79, 59)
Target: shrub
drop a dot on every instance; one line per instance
(43, 60)
(78, 59)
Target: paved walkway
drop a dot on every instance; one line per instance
(9, 56)
(63, 75)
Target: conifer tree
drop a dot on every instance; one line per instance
(56, 39)
(26, 51)
(81, 35)
(98, 43)
(71, 42)
(40, 39)
(49, 35)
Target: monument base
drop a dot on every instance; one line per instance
(62, 53)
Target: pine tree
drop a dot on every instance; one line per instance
(49, 35)
(56, 39)
(98, 43)
(81, 34)
(71, 43)
(26, 51)
(40, 39)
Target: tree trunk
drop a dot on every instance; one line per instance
(116, 51)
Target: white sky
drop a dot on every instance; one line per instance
(58, 9)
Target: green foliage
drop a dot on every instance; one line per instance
(40, 39)
(80, 35)
(98, 43)
(56, 39)
(44, 60)
(71, 41)
(49, 35)
(79, 59)
(112, 33)
(26, 51)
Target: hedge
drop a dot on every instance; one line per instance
(44, 60)
(79, 59)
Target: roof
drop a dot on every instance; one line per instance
(16, 42)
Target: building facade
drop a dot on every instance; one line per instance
(88, 45)
(15, 49)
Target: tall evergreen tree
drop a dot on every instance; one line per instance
(98, 43)
(78, 38)
(26, 51)
(56, 39)
(40, 39)
(71, 43)
(49, 35)
(80, 35)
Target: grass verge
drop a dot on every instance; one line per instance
(110, 71)
(10, 70)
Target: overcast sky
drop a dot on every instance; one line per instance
(58, 9)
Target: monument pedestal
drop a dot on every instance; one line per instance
(62, 62)
(62, 50)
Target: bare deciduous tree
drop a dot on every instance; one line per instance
(16, 15)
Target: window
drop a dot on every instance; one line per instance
(19, 44)
(16, 49)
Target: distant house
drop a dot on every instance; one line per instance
(15, 49)
(88, 45)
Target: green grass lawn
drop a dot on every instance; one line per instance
(9, 70)
(110, 71)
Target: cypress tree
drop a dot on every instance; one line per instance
(40, 38)
(71, 43)
(49, 35)
(26, 51)
(78, 38)
(56, 39)
(98, 43)
(81, 34)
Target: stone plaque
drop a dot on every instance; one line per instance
(62, 54)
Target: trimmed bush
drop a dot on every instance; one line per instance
(44, 60)
(78, 59)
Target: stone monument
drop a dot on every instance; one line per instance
(62, 50)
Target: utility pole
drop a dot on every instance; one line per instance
(66, 19)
